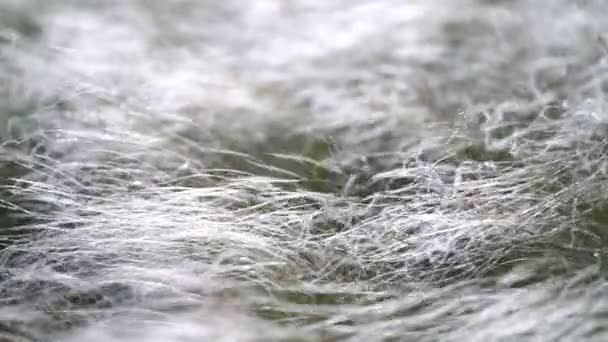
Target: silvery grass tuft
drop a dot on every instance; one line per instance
(303, 170)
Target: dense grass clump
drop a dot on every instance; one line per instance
(303, 171)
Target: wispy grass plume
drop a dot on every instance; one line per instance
(303, 170)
